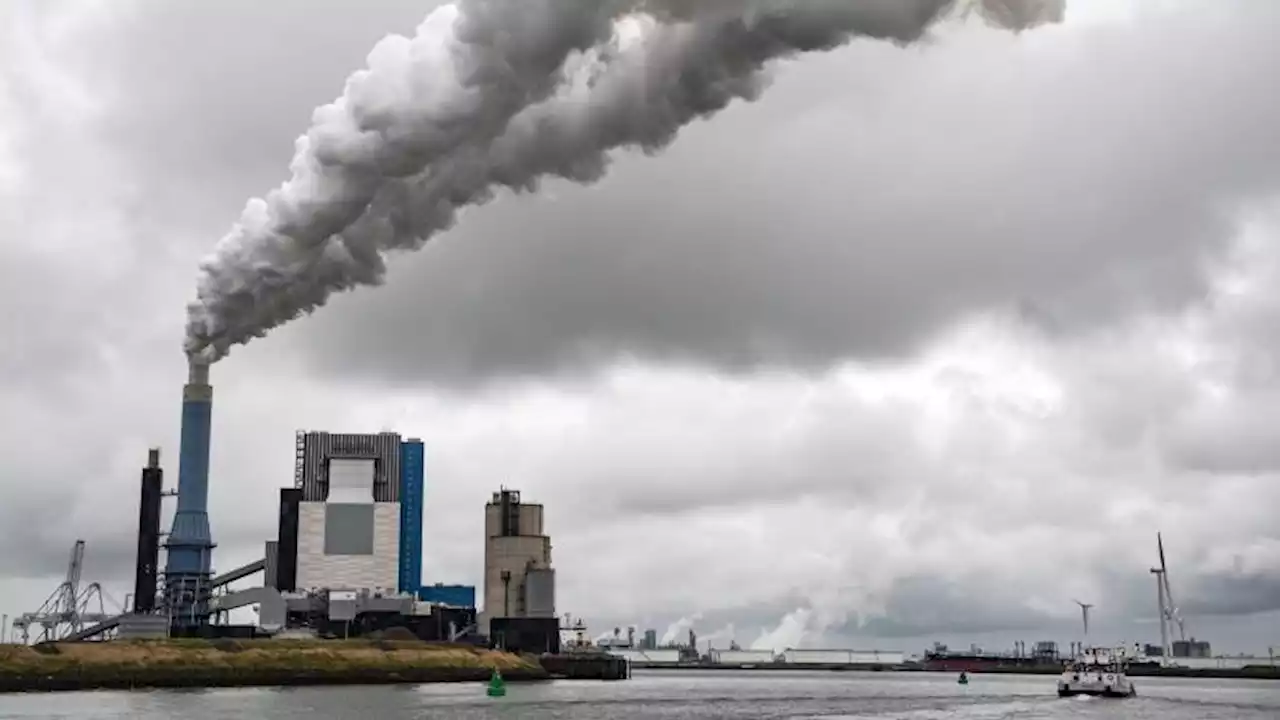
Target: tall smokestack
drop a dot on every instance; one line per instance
(189, 544)
(148, 561)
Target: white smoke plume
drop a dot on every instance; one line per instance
(678, 631)
(485, 97)
(792, 632)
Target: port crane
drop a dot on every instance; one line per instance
(68, 610)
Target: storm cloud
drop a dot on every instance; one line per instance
(875, 197)
(922, 345)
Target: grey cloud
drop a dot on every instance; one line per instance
(678, 259)
(1234, 594)
(803, 230)
(919, 606)
(204, 125)
(675, 490)
(1240, 438)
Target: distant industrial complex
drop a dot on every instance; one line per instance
(1186, 653)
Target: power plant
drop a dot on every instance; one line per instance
(346, 559)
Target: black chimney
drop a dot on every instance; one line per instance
(152, 492)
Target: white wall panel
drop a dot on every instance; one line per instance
(310, 545)
(379, 570)
(351, 480)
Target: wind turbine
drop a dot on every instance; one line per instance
(1084, 615)
(1170, 608)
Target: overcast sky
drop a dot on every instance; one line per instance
(922, 345)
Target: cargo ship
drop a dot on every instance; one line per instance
(942, 659)
(971, 662)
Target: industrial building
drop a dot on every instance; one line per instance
(650, 641)
(885, 658)
(346, 559)
(519, 581)
(1192, 648)
(360, 505)
(739, 656)
(651, 657)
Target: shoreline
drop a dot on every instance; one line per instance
(129, 665)
(1257, 672)
(205, 680)
(197, 664)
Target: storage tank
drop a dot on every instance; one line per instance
(540, 593)
(741, 657)
(877, 657)
(657, 656)
(837, 656)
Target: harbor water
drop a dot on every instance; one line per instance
(680, 694)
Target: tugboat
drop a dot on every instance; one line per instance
(1097, 672)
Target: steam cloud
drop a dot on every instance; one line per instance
(502, 93)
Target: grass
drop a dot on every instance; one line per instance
(208, 663)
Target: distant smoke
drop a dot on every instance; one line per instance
(502, 93)
(678, 631)
(792, 632)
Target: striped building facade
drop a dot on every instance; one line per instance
(352, 520)
(315, 449)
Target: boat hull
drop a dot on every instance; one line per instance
(1110, 686)
(1068, 692)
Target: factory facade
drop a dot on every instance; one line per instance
(347, 556)
(359, 512)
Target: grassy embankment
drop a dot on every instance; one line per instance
(232, 663)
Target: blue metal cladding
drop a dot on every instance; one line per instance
(411, 501)
(463, 596)
(189, 539)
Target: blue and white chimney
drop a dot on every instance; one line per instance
(189, 545)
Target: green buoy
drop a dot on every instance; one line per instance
(497, 686)
(964, 679)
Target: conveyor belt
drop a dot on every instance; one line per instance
(92, 630)
(243, 571)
